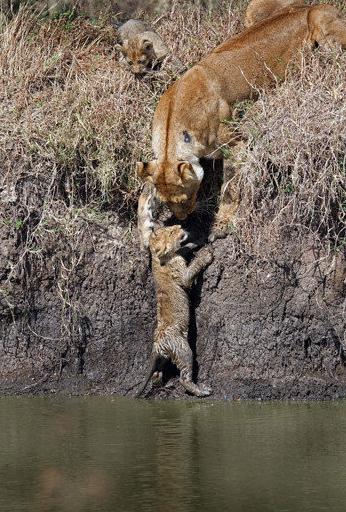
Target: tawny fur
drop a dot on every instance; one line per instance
(259, 10)
(188, 116)
(173, 277)
(141, 46)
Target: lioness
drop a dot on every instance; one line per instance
(189, 113)
(172, 279)
(141, 46)
(259, 10)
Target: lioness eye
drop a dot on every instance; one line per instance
(187, 137)
(130, 62)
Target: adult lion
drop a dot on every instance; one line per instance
(188, 115)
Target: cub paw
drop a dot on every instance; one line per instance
(207, 256)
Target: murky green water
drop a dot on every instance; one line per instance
(105, 455)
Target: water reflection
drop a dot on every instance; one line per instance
(95, 454)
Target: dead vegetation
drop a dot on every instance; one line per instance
(292, 177)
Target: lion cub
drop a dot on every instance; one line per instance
(173, 277)
(142, 48)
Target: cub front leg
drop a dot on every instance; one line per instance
(201, 261)
(230, 194)
(145, 214)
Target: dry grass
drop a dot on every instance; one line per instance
(292, 179)
(74, 122)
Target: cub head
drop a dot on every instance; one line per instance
(176, 184)
(165, 242)
(139, 54)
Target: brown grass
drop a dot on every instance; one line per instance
(292, 179)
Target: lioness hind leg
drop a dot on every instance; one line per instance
(183, 359)
(328, 26)
(229, 204)
(337, 33)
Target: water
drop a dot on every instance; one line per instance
(118, 455)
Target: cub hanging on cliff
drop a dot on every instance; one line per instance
(173, 277)
(188, 116)
(141, 46)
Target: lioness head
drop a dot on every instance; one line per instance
(165, 242)
(176, 184)
(139, 54)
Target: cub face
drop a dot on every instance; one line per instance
(165, 242)
(176, 184)
(139, 54)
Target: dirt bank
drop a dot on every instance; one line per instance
(84, 324)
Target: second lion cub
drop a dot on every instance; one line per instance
(172, 279)
(141, 46)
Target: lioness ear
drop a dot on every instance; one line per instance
(147, 45)
(186, 172)
(144, 171)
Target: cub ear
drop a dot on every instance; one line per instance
(147, 45)
(144, 171)
(186, 172)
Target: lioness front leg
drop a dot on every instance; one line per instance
(183, 359)
(230, 195)
(201, 261)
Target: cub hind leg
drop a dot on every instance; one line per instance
(183, 359)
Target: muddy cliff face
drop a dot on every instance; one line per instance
(82, 321)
